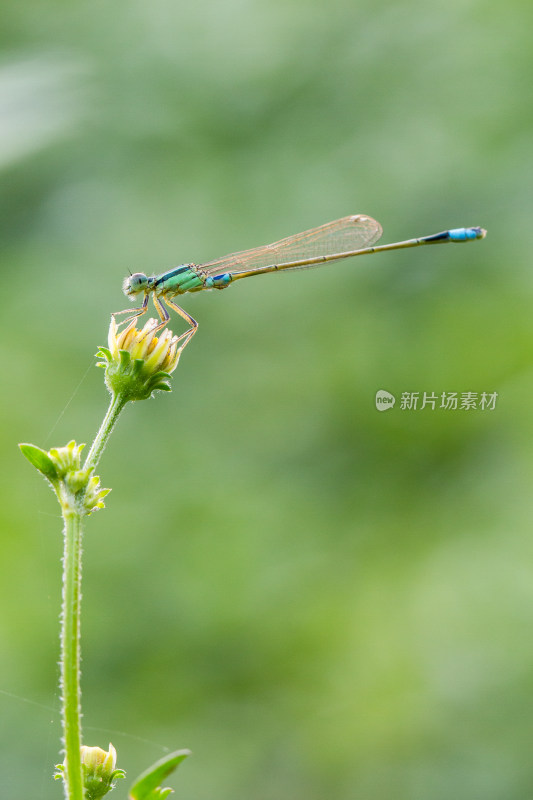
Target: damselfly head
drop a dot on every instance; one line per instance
(134, 284)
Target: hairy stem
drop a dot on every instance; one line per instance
(116, 405)
(70, 654)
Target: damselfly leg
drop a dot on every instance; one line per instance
(165, 316)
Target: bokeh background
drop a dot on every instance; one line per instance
(320, 600)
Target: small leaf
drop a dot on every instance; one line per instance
(147, 784)
(40, 459)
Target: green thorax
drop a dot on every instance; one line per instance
(185, 278)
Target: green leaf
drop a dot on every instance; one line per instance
(147, 785)
(40, 459)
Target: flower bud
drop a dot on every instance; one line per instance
(137, 362)
(99, 770)
(75, 488)
(66, 459)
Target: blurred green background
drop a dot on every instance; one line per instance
(320, 600)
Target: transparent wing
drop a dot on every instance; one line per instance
(340, 236)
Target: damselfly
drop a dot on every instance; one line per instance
(343, 238)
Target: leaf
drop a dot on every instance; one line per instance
(40, 459)
(146, 787)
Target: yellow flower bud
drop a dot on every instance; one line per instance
(99, 770)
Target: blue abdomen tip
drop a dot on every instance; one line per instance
(466, 234)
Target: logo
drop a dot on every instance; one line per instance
(446, 401)
(384, 400)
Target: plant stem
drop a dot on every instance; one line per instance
(70, 653)
(118, 401)
(71, 609)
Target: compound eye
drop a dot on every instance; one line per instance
(134, 284)
(137, 280)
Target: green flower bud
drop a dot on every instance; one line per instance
(137, 362)
(93, 498)
(66, 459)
(99, 770)
(74, 487)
